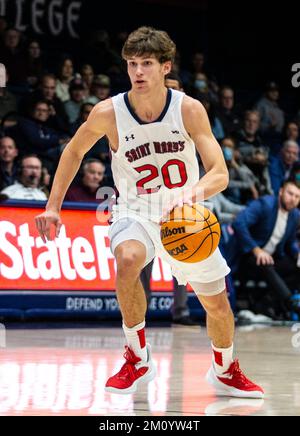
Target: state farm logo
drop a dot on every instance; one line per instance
(26, 255)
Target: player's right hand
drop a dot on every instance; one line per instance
(44, 224)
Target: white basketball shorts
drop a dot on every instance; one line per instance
(212, 269)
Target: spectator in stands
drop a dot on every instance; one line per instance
(8, 102)
(224, 209)
(272, 117)
(65, 75)
(247, 138)
(33, 63)
(215, 123)
(77, 97)
(13, 58)
(46, 91)
(28, 186)
(173, 81)
(281, 166)
(198, 63)
(87, 74)
(292, 132)
(295, 174)
(253, 152)
(92, 175)
(200, 84)
(100, 89)
(266, 237)
(85, 110)
(227, 112)
(8, 165)
(242, 182)
(36, 137)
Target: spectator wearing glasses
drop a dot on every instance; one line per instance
(28, 186)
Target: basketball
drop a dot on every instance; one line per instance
(191, 234)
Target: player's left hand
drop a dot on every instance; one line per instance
(183, 197)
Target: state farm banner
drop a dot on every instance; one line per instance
(79, 260)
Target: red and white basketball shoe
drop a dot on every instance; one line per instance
(133, 372)
(233, 383)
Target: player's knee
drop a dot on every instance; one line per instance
(129, 261)
(217, 307)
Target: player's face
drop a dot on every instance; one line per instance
(146, 73)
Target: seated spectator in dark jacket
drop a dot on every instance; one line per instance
(77, 96)
(28, 186)
(8, 102)
(253, 152)
(36, 137)
(92, 174)
(266, 238)
(242, 182)
(46, 91)
(12, 56)
(227, 113)
(280, 167)
(272, 116)
(34, 64)
(8, 165)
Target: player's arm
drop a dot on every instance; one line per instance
(86, 136)
(197, 125)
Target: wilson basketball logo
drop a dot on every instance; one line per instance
(166, 232)
(191, 234)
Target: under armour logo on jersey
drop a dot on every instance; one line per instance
(129, 137)
(175, 132)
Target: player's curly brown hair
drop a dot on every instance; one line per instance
(147, 41)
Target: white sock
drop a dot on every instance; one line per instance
(135, 337)
(222, 358)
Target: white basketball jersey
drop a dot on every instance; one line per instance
(153, 159)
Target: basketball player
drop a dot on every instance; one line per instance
(154, 133)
